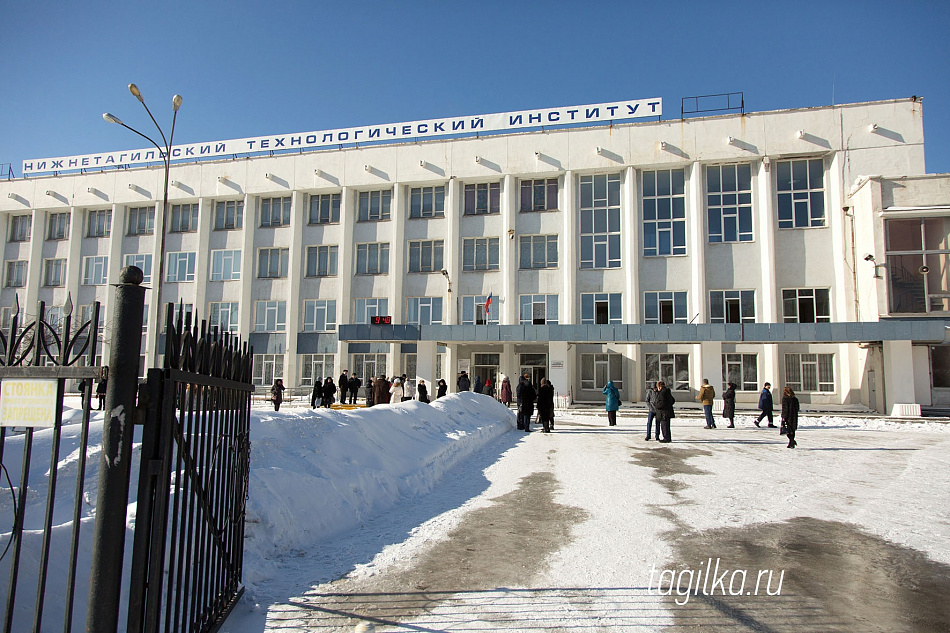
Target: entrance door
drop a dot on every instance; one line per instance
(486, 368)
(536, 366)
(940, 374)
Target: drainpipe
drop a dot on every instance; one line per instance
(854, 269)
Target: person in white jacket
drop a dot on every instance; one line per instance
(397, 391)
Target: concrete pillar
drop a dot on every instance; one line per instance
(248, 269)
(629, 218)
(768, 306)
(696, 246)
(567, 311)
(450, 259)
(295, 266)
(397, 257)
(34, 269)
(507, 300)
(425, 365)
(709, 364)
(898, 376)
(562, 369)
(450, 370)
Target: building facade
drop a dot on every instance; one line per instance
(631, 252)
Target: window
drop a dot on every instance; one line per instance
(664, 212)
(20, 228)
(95, 270)
(315, 367)
(427, 202)
(729, 202)
(184, 218)
(141, 220)
(801, 193)
(225, 265)
(272, 263)
(374, 205)
(538, 309)
(275, 211)
(224, 315)
(6, 318)
(181, 267)
(807, 305)
(322, 261)
(601, 308)
(271, 316)
(473, 311)
(912, 244)
(367, 366)
(600, 221)
(368, 308)
(425, 311)
(482, 198)
(325, 208)
(732, 306)
(539, 251)
(673, 369)
(54, 317)
(319, 315)
(597, 369)
(228, 215)
(144, 262)
(810, 372)
(99, 223)
(58, 227)
(539, 195)
(741, 369)
(267, 368)
(16, 274)
(183, 310)
(664, 307)
(480, 253)
(55, 272)
(372, 259)
(425, 256)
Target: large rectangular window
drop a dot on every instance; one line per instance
(275, 211)
(732, 306)
(601, 308)
(144, 262)
(918, 264)
(539, 195)
(597, 369)
(267, 369)
(228, 215)
(270, 316)
(366, 309)
(480, 253)
(372, 259)
(539, 251)
(225, 265)
(741, 369)
(95, 270)
(325, 208)
(664, 212)
(807, 305)
(322, 260)
(810, 372)
(473, 311)
(16, 274)
(58, 227)
(272, 263)
(184, 218)
(181, 267)
(54, 274)
(538, 309)
(424, 311)
(367, 366)
(600, 221)
(427, 202)
(141, 220)
(374, 205)
(20, 228)
(482, 198)
(673, 369)
(315, 368)
(664, 307)
(99, 223)
(729, 202)
(319, 315)
(801, 193)
(224, 315)
(425, 256)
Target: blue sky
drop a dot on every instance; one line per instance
(257, 68)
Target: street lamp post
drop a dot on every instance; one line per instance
(165, 152)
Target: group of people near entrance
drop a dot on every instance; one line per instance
(526, 398)
(660, 408)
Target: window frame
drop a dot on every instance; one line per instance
(471, 249)
(268, 218)
(529, 189)
(656, 299)
(601, 228)
(652, 207)
(675, 361)
(417, 307)
(21, 227)
(312, 310)
(235, 270)
(473, 311)
(366, 307)
(364, 258)
(527, 309)
(332, 210)
(532, 264)
(436, 204)
(143, 261)
(228, 215)
(719, 301)
(614, 307)
(173, 264)
(141, 221)
(800, 295)
(474, 193)
(798, 361)
(269, 308)
(98, 223)
(49, 265)
(216, 309)
(365, 213)
(100, 272)
(808, 195)
(314, 263)
(16, 273)
(57, 227)
(730, 206)
(282, 256)
(743, 382)
(179, 212)
(418, 255)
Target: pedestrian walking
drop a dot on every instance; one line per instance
(489, 388)
(354, 385)
(316, 393)
(612, 402)
(651, 412)
(329, 390)
(422, 391)
(526, 398)
(396, 391)
(277, 393)
(546, 404)
(518, 390)
(381, 390)
(765, 405)
(729, 404)
(443, 388)
(506, 392)
(789, 416)
(463, 382)
(477, 387)
(664, 410)
(101, 389)
(706, 396)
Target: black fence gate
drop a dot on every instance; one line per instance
(188, 548)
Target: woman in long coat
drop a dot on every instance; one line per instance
(329, 389)
(612, 403)
(396, 390)
(790, 415)
(546, 404)
(443, 388)
(277, 393)
(381, 390)
(506, 392)
(664, 410)
(729, 404)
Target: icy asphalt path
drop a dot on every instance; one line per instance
(566, 534)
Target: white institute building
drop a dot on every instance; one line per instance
(801, 247)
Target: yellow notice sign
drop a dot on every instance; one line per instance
(28, 402)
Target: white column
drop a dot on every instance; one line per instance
(344, 301)
(74, 257)
(567, 311)
(450, 259)
(630, 214)
(898, 375)
(507, 299)
(450, 370)
(696, 245)
(397, 257)
(425, 366)
(202, 260)
(34, 269)
(710, 364)
(767, 304)
(248, 267)
(295, 272)
(561, 377)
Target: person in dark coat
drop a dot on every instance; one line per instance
(329, 389)
(101, 390)
(518, 389)
(612, 403)
(277, 393)
(477, 387)
(664, 410)
(790, 415)
(422, 392)
(381, 390)
(651, 412)
(526, 399)
(506, 392)
(765, 405)
(729, 404)
(463, 383)
(354, 385)
(488, 389)
(316, 393)
(546, 404)
(443, 388)
(370, 396)
(343, 382)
